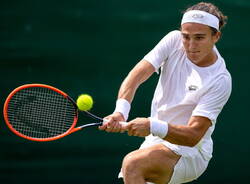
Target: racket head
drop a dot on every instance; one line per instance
(40, 112)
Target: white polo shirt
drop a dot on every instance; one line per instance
(184, 90)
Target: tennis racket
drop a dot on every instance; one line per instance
(40, 112)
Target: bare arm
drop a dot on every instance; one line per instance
(190, 134)
(140, 73)
(186, 135)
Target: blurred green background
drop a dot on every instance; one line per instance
(82, 46)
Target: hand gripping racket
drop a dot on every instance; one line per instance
(40, 112)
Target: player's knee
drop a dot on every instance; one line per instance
(135, 166)
(131, 165)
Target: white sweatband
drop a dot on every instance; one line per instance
(122, 106)
(201, 17)
(158, 127)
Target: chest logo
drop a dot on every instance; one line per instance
(192, 88)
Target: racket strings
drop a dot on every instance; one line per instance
(40, 112)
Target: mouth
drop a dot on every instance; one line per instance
(193, 52)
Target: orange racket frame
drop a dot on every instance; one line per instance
(69, 131)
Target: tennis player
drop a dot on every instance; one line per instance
(193, 87)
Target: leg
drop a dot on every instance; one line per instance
(154, 164)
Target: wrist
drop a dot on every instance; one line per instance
(158, 127)
(123, 107)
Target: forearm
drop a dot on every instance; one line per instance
(186, 135)
(182, 135)
(140, 73)
(128, 88)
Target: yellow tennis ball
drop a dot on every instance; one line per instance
(84, 102)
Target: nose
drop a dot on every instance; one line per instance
(192, 44)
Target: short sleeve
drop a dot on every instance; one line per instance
(162, 50)
(212, 102)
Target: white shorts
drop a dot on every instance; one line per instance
(188, 168)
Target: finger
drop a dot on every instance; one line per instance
(129, 129)
(108, 129)
(115, 127)
(105, 122)
(111, 126)
(109, 121)
(103, 127)
(133, 130)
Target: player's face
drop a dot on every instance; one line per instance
(198, 42)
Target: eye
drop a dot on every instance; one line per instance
(199, 37)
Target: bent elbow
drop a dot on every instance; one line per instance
(193, 141)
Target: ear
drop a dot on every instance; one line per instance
(216, 37)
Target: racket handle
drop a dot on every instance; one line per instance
(123, 124)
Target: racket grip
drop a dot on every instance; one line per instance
(123, 124)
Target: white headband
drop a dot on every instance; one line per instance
(201, 17)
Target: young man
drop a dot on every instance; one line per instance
(193, 87)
